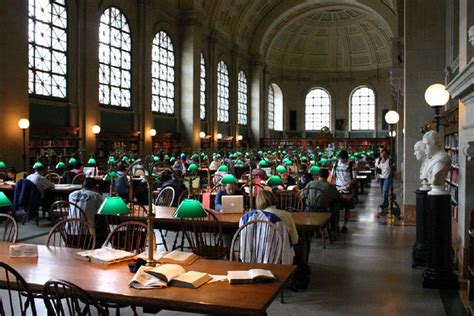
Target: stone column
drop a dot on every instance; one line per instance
(257, 100)
(190, 81)
(212, 88)
(14, 102)
(233, 91)
(424, 65)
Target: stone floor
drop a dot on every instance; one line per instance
(365, 272)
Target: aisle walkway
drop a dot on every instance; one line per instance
(365, 272)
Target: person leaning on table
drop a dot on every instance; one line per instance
(229, 189)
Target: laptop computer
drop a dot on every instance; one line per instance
(268, 171)
(89, 171)
(232, 204)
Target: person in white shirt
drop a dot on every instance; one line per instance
(40, 181)
(384, 175)
(344, 172)
(215, 163)
(87, 199)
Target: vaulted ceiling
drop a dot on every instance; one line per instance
(308, 35)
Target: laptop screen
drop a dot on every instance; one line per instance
(89, 171)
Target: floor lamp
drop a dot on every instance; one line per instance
(392, 118)
(24, 124)
(436, 96)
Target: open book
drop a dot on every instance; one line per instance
(105, 255)
(173, 274)
(250, 276)
(143, 280)
(179, 257)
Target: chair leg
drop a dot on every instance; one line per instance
(282, 298)
(163, 239)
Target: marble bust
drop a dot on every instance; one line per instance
(419, 151)
(438, 162)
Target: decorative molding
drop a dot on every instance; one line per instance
(191, 18)
(463, 84)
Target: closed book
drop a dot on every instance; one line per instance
(250, 276)
(105, 255)
(179, 257)
(191, 279)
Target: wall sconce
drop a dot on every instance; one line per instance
(219, 136)
(240, 137)
(96, 129)
(202, 135)
(152, 132)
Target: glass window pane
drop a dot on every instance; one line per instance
(202, 88)
(242, 98)
(317, 109)
(363, 109)
(222, 92)
(163, 76)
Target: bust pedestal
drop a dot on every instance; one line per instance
(439, 272)
(420, 246)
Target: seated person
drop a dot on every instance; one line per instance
(304, 177)
(287, 180)
(177, 184)
(259, 172)
(229, 189)
(215, 163)
(40, 181)
(314, 201)
(78, 168)
(180, 164)
(87, 199)
(11, 175)
(121, 182)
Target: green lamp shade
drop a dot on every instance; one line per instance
(113, 205)
(274, 180)
(223, 168)
(91, 161)
(125, 159)
(280, 169)
(229, 179)
(167, 157)
(205, 157)
(303, 158)
(193, 167)
(111, 175)
(4, 201)
(37, 165)
(334, 158)
(195, 156)
(314, 170)
(289, 162)
(351, 158)
(156, 158)
(190, 208)
(263, 163)
(60, 165)
(3, 164)
(72, 161)
(239, 163)
(173, 159)
(111, 160)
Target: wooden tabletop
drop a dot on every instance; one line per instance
(111, 283)
(58, 188)
(304, 221)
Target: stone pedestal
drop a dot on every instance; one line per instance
(439, 272)
(420, 246)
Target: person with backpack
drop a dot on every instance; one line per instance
(344, 177)
(384, 174)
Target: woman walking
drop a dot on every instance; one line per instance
(384, 175)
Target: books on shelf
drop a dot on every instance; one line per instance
(250, 276)
(176, 275)
(179, 257)
(105, 255)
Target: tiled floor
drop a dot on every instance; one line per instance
(365, 272)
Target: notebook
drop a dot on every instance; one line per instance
(232, 204)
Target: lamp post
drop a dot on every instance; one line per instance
(392, 118)
(436, 96)
(24, 124)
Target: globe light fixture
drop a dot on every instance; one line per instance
(392, 117)
(436, 96)
(24, 123)
(240, 137)
(152, 132)
(96, 129)
(202, 134)
(219, 136)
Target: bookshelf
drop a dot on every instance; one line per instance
(355, 143)
(165, 142)
(50, 145)
(451, 145)
(116, 143)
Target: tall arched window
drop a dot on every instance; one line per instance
(363, 109)
(47, 48)
(317, 109)
(202, 88)
(222, 92)
(275, 107)
(115, 61)
(162, 74)
(242, 91)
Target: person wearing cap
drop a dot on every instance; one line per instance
(228, 189)
(87, 199)
(39, 180)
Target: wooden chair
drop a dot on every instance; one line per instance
(129, 236)
(68, 177)
(165, 197)
(79, 179)
(10, 228)
(289, 201)
(72, 233)
(65, 298)
(204, 236)
(61, 210)
(53, 177)
(18, 293)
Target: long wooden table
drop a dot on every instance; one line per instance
(62, 190)
(111, 283)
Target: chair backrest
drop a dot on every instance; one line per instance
(289, 201)
(204, 235)
(53, 177)
(68, 176)
(10, 228)
(313, 197)
(129, 236)
(63, 209)
(79, 179)
(65, 298)
(19, 294)
(165, 197)
(257, 241)
(72, 233)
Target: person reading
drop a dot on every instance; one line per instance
(87, 199)
(229, 189)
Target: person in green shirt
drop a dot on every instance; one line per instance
(319, 195)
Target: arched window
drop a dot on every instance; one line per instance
(317, 109)
(162, 74)
(363, 109)
(222, 92)
(242, 98)
(115, 46)
(202, 88)
(47, 49)
(275, 107)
